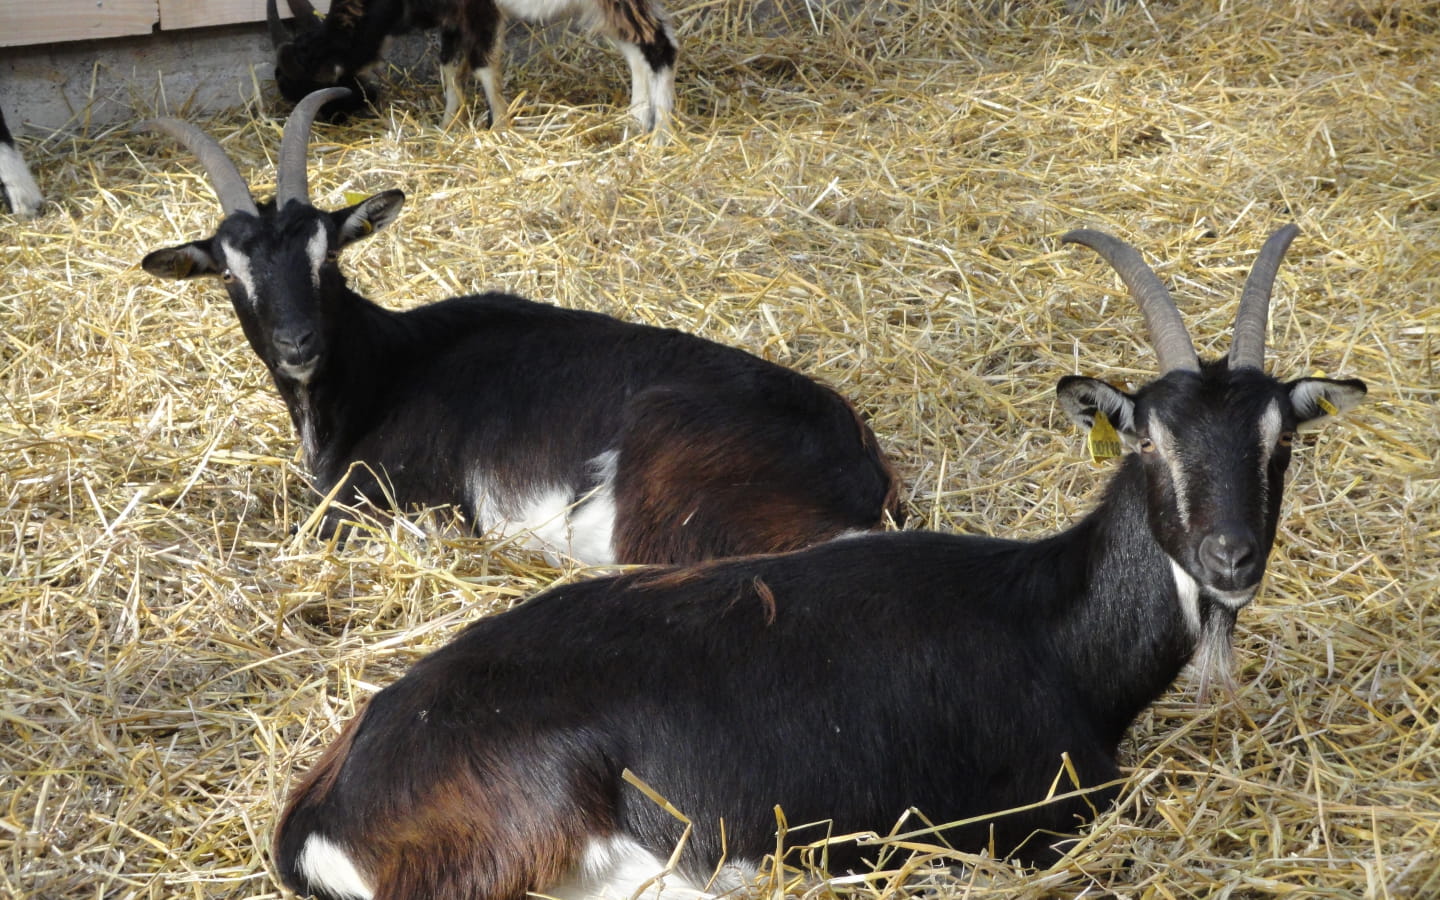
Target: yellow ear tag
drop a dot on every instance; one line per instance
(1104, 440)
(1327, 406)
(354, 197)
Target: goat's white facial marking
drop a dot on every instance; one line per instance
(325, 865)
(315, 249)
(238, 265)
(299, 374)
(1271, 422)
(1233, 600)
(1164, 442)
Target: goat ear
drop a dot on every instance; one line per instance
(1081, 397)
(185, 261)
(1316, 398)
(368, 216)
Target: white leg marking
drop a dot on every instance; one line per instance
(640, 87)
(325, 865)
(454, 92)
(1189, 590)
(20, 186)
(550, 520)
(617, 868)
(492, 80)
(592, 523)
(662, 100)
(489, 79)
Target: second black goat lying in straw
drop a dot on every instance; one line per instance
(847, 682)
(599, 439)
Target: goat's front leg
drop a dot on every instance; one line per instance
(454, 70)
(650, 51)
(490, 69)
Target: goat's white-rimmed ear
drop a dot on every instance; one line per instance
(1081, 396)
(185, 261)
(1314, 399)
(367, 217)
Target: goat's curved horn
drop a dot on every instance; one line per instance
(1248, 347)
(306, 19)
(279, 33)
(232, 190)
(291, 182)
(1167, 330)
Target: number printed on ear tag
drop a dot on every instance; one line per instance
(1104, 440)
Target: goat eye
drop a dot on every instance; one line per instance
(1286, 438)
(227, 276)
(332, 255)
(1147, 445)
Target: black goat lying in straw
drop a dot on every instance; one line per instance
(846, 682)
(603, 440)
(342, 48)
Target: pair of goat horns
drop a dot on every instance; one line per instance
(1172, 342)
(291, 182)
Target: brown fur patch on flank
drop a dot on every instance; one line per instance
(636, 21)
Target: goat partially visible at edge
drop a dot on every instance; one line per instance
(599, 439)
(19, 185)
(342, 49)
(848, 682)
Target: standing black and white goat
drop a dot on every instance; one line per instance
(600, 439)
(847, 682)
(349, 42)
(19, 185)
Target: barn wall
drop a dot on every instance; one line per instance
(54, 21)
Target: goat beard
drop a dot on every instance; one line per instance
(1212, 658)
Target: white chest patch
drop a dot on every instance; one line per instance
(552, 520)
(617, 868)
(325, 865)
(1189, 590)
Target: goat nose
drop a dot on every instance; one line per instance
(1229, 554)
(295, 343)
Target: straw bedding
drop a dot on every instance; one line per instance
(872, 198)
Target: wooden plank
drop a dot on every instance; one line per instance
(24, 22)
(175, 14)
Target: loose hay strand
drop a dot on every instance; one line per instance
(872, 198)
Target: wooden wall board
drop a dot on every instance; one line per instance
(25, 22)
(175, 14)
